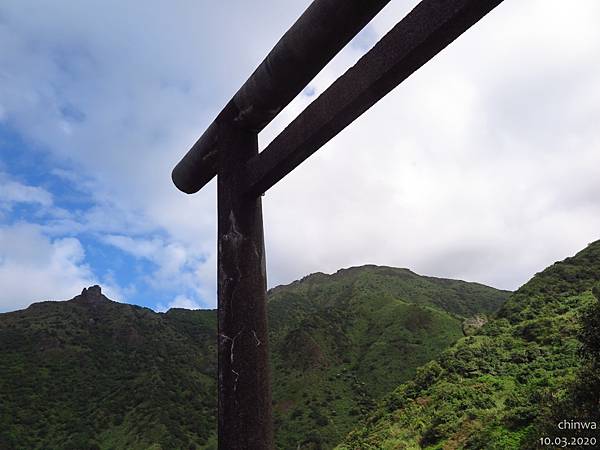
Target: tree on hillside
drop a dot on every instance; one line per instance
(581, 400)
(587, 391)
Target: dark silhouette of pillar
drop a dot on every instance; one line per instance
(244, 418)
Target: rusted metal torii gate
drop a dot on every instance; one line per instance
(229, 148)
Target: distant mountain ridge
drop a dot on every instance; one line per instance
(420, 288)
(90, 373)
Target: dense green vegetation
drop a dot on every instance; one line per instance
(94, 374)
(343, 341)
(512, 381)
(90, 373)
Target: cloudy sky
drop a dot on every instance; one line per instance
(482, 166)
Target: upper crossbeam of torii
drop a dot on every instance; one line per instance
(229, 148)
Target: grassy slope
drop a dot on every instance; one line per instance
(95, 374)
(491, 389)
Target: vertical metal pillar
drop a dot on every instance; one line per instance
(244, 416)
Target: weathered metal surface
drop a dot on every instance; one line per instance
(244, 415)
(199, 165)
(424, 32)
(316, 37)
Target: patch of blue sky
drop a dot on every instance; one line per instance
(26, 164)
(131, 273)
(309, 91)
(30, 165)
(67, 193)
(20, 157)
(365, 39)
(23, 212)
(111, 262)
(114, 266)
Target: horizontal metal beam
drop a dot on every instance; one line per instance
(316, 37)
(424, 32)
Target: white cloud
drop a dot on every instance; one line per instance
(480, 166)
(179, 302)
(35, 268)
(177, 267)
(12, 192)
(141, 248)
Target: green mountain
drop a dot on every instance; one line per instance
(90, 373)
(512, 381)
(342, 341)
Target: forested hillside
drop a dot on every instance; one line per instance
(342, 341)
(510, 383)
(90, 373)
